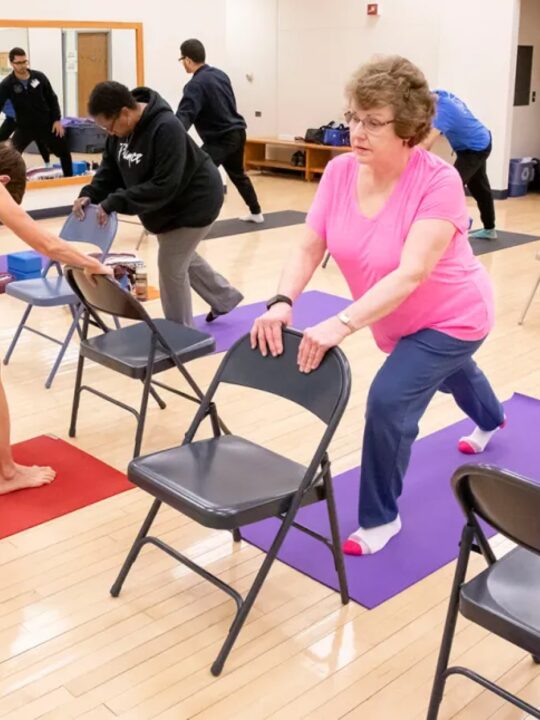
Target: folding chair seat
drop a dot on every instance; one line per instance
(504, 598)
(54, 291)
(140, 351)
(227, 481)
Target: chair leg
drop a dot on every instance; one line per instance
(18, 332)
(76, 397)
(529, 301)
(162, 404)
(450, 626)
(243, 612)
(536, 659)
(142, 236)
(336, 540)
(135, 549)
(142, 415)
(67, 340)
(326, 260)
(237, 535)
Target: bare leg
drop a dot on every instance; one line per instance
(14, 476)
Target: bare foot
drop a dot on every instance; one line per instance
(27, 477)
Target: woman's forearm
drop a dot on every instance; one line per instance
(301, 265)
(19, 222)
(381, 299)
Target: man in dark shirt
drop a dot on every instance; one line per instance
(36, 108)
(153, 169)
(208, 103)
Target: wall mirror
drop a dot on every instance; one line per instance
(74, 56)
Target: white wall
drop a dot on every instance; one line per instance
(320, 44)
(165, 26)
(526, 118)
(477, 55)
(465, 46)
(13, 37)
(301, 52)
(123, 55)
(251, 47)
(45, 54)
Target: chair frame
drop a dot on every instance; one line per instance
(531, 296)
(317, 470)
(75, 309)
(158, 342)
(473, 539)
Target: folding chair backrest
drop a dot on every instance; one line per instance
(89, 231)
(104, 294)
(324, 392)
(509, 502)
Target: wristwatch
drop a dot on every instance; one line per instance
(345, 319)
(278, 299)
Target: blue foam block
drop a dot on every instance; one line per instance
(26, 261)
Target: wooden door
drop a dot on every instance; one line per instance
(93, 65)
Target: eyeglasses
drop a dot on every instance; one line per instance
(110, 129)
(181, 58)
(19, 62)
(370, 124)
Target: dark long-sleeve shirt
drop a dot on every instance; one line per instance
(34, 101)
(208, 103)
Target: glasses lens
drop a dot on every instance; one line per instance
(372, 125)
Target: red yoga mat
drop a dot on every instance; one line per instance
(80, 480)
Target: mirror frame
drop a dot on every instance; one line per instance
(99, 25)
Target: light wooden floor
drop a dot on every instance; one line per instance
(68, 650)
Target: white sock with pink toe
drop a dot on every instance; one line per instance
(366, 541)
(478, 440)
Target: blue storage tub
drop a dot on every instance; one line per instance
(521, 174)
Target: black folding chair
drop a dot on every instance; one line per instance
(226, 482)
(139, 351)
(504, 598)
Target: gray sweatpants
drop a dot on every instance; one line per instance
(181, 267)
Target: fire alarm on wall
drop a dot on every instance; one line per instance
(373, 9)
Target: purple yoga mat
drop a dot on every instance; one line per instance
(432, 520)
(310, 308)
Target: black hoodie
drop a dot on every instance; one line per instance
(157, 173)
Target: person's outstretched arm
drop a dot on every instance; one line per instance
(30, 232)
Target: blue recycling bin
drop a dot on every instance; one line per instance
(521, 174)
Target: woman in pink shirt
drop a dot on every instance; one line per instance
(394, 218)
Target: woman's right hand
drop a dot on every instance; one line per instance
(266, 330)
(79, 207)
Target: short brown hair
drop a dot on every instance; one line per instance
(397, 82)
(12, 164)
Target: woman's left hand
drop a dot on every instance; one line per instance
(317, 340)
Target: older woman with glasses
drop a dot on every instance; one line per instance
(394, 218)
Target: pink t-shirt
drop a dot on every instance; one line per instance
(456, 298)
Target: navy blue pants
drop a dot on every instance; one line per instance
(419, 365)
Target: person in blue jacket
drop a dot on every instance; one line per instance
(471, 141)
(208, 103)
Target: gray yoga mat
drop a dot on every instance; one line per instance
(503, 241)
(234, 226)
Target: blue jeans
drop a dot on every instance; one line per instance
(419, 365)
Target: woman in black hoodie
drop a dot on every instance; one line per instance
(153, 169)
